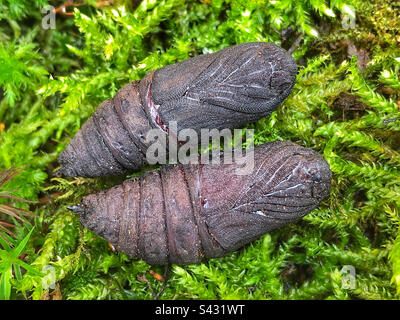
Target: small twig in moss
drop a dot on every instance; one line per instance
(295, 44)
(166, 276)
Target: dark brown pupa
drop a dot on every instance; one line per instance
(225, 89)
(184, 213)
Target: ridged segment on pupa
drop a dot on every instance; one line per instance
(225, 89)
(184, 213)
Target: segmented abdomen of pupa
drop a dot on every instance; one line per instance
(222, 90)
(112, 140)
(184, 213)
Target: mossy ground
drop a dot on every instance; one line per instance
(345, 105)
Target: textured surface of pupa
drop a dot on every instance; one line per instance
(222, 90)
(184, 213)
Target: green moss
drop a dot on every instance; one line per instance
(54, 79)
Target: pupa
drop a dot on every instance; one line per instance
(181, 214)
(221, 90)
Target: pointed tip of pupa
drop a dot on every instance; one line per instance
(78, 209)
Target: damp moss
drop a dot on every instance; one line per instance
(345, 105)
